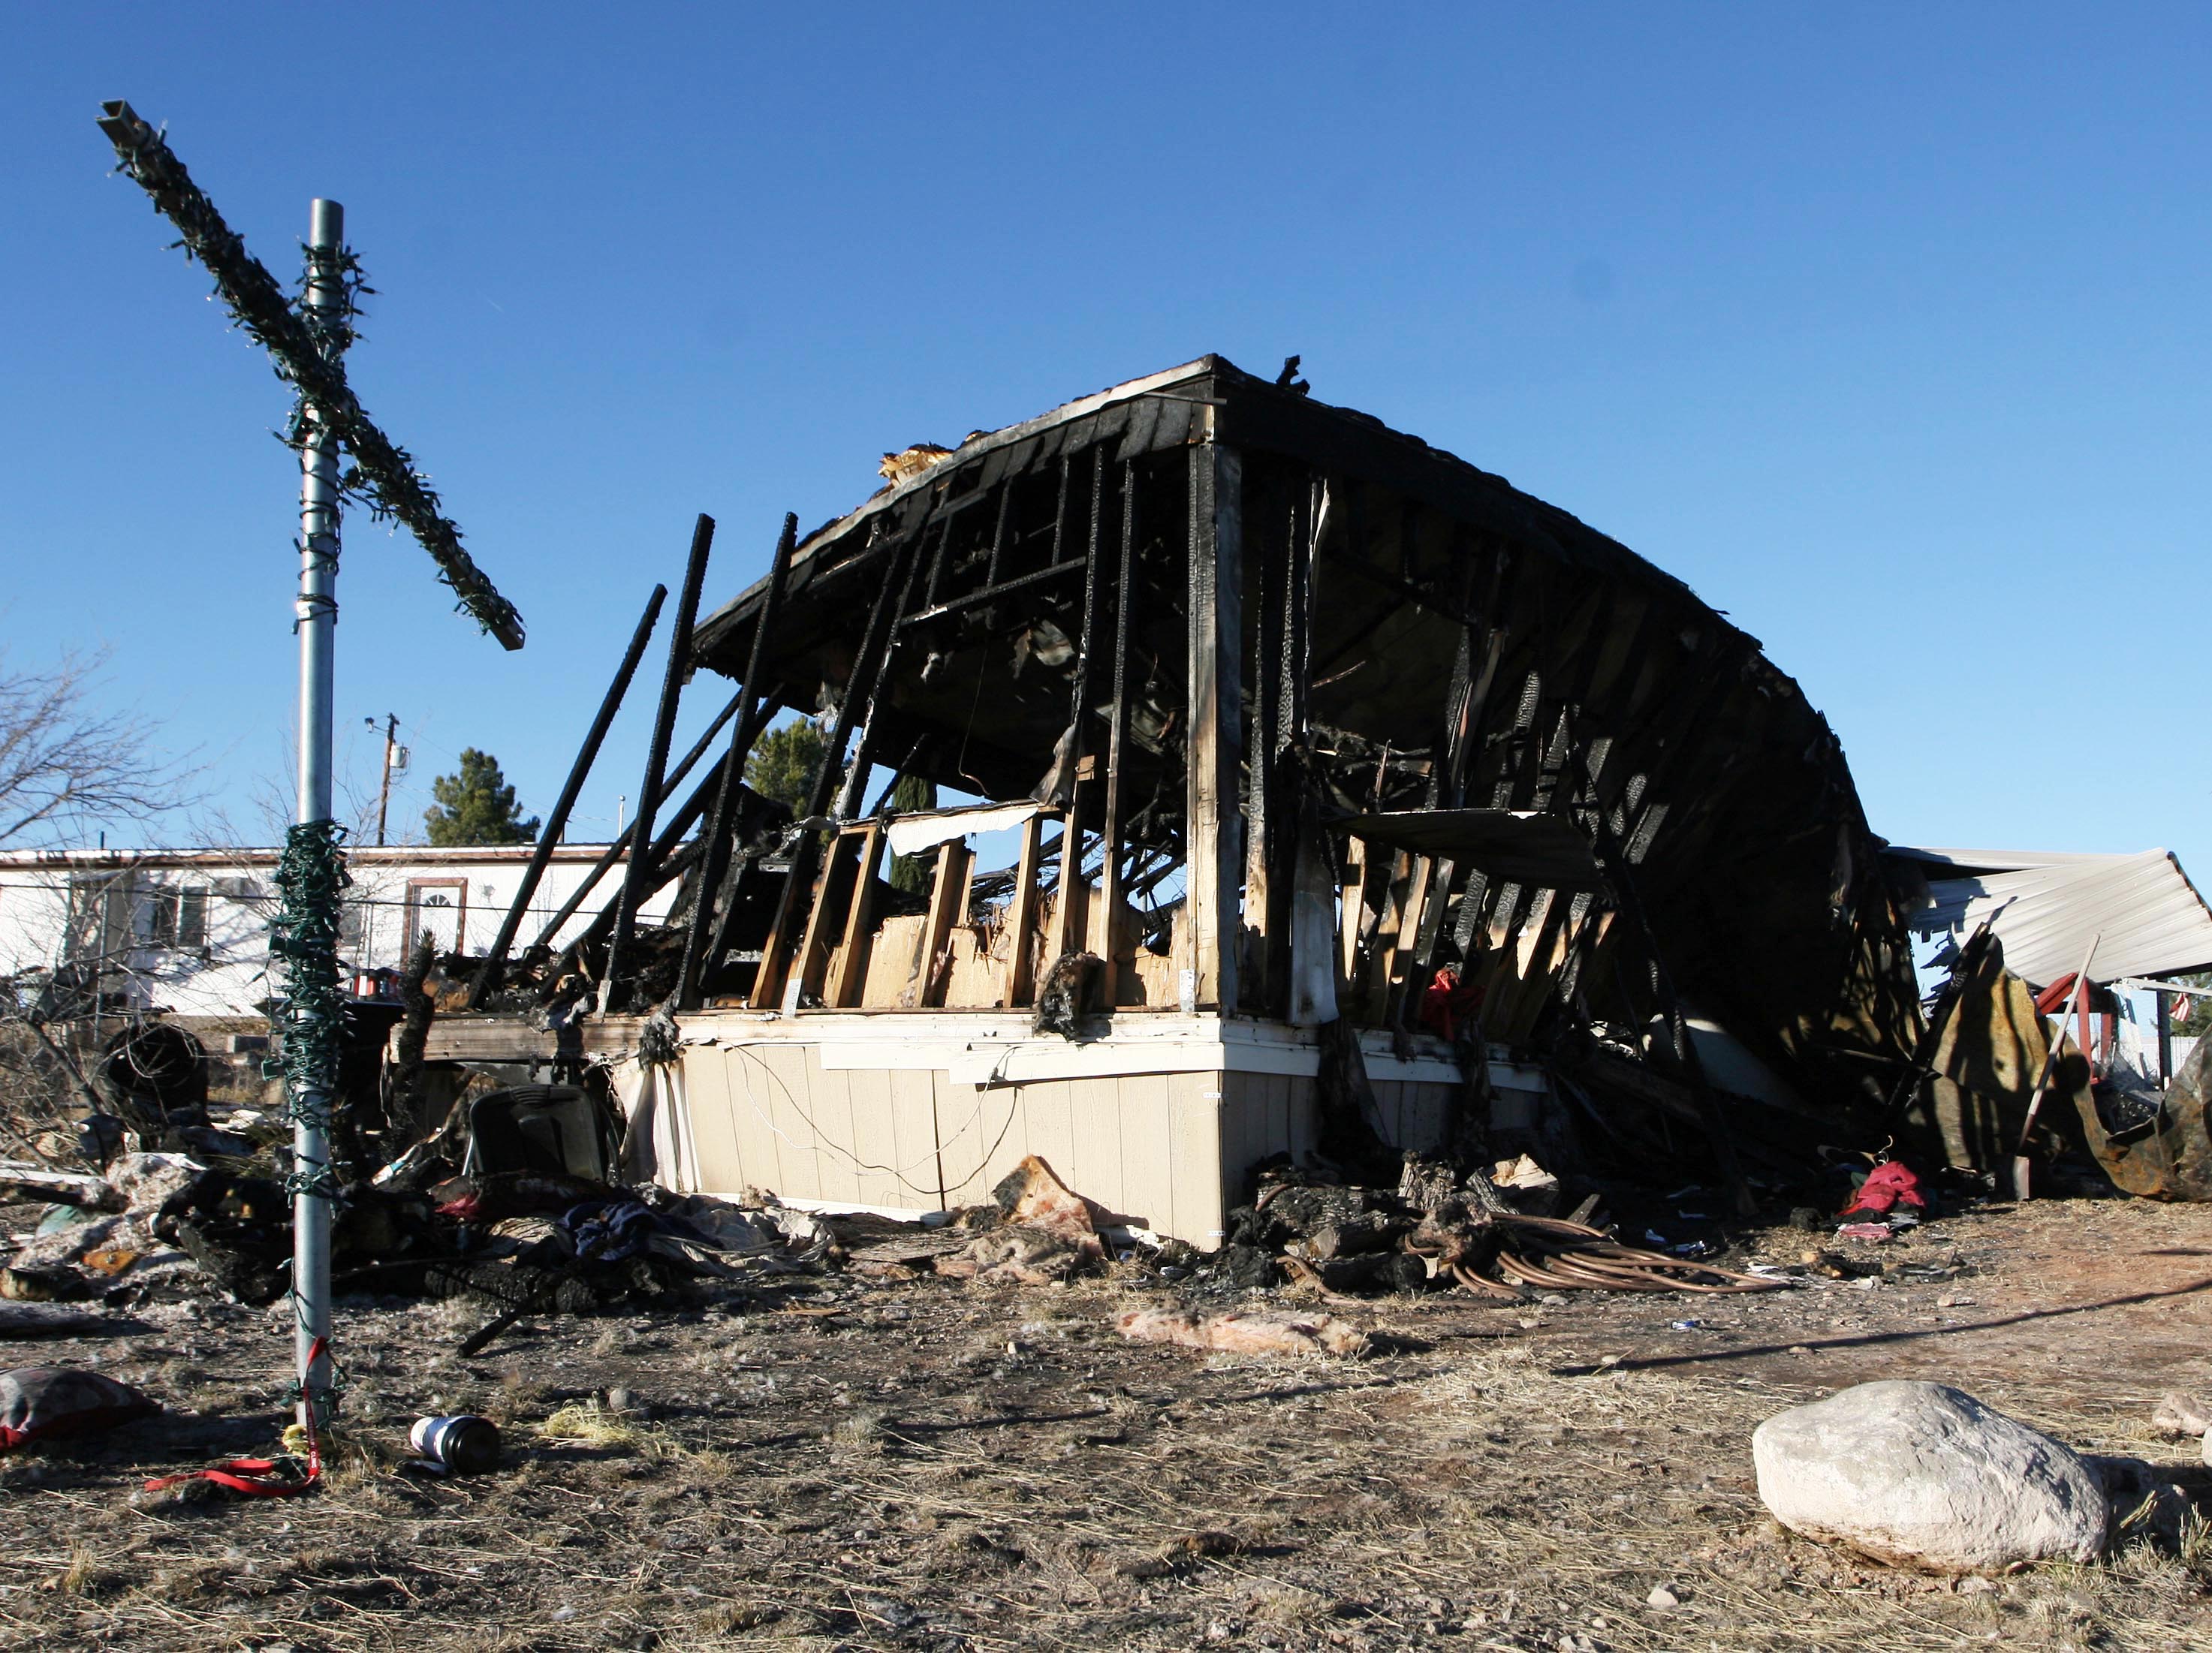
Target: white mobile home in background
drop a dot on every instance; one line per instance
(187, 931)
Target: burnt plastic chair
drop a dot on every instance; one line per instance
(554, 1129)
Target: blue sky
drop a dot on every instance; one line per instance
(1885, 327)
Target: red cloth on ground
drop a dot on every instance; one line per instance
(1892, 1183)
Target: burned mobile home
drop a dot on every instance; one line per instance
(1351, 799)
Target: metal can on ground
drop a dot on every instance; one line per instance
(462, 1444)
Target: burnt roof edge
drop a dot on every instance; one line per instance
(1252, 412)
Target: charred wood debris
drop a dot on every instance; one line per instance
(1298, 719)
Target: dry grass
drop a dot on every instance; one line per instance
(895, 1474)
(588, 1424)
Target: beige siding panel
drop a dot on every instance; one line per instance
(1048, 1109)
(875, 1139)
(1233, 1130)
(1147, 1155)
(1194, 1132)
(970, 1120)
(760, 1151)
(1266, 1112)
(1426, 1109)
(712, 1119)
(1266, 1124)
(1234, 1136)
(1390, 1104)
(1166, 1150)
(912, 1103)
(782, 1083)
(838, 1163)
(1094, 1169)
(1039, 1127)
(1296, 1113)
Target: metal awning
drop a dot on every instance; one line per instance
(2044, 908)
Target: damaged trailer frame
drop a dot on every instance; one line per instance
(1362, 802)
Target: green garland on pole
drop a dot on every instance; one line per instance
(310, 882)
(384, 475)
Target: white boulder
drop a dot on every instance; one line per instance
(1921, 1475)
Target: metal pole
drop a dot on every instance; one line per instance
(316, 613)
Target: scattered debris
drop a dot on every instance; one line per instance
(1888, 1185)
(1875, 1232)
(1048, 1232)
(23, 1181)
(1434, 1227)
(1031, 1196)
(1253, 1331)
(27, 1283)
(1919, 1474)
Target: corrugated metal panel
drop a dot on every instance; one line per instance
(2152, 920)
(1967, 863)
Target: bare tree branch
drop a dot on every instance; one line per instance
(67, 767)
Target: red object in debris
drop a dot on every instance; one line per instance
(44, 1402)
(1875, 1231)
(1446, 1004)
(262, 1478)
(1890, 1183)
(2054, 998)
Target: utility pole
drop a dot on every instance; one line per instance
(384, 788)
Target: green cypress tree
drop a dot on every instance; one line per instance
(477, 806)
(782, 763)
(910, 793)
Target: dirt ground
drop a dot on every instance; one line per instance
(938, 1466)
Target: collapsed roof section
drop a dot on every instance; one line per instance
(2047, 907)
(1314, 714)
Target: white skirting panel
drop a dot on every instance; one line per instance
(1161, 1120)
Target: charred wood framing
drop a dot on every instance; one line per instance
(1110, 834)
(867, 660)
(656, 754)
(1067, 912)
(719, 821)
(1214, 741)
(557, 821)
(620, 847)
